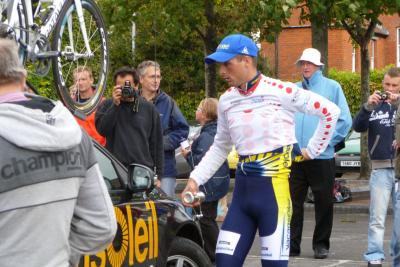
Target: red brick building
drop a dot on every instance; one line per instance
(295, 37)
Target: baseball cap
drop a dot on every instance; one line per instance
(231, 46)
(311, 55)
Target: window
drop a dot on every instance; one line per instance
(398, 48)
(372, 53)
(107, 169)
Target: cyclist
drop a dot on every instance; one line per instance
(256, 114)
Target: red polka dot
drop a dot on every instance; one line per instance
(321, 144)
(317, 105)
(273, 84)
(288, 90)
(324, 138)
(247, 110)
(329, 119)
(280, 86)
(328, 126)
(324, 111)
(269, 82)
(326, 133)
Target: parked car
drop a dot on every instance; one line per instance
(153, 230)
(348, 158)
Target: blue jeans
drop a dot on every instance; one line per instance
(396, 232)
(382, 187)
(168, 185)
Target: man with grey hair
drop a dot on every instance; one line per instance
(174, 125)
(51, 188)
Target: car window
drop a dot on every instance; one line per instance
(107, 169)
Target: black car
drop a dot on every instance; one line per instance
(153, 230)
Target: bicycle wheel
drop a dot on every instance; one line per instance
(69, 41)
(18, 27)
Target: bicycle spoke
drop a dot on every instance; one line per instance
(80, 52)
(97, 48)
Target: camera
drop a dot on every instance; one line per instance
(127, 90)
(383, 95)
(191, 198)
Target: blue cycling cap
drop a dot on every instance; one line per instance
(231, 46)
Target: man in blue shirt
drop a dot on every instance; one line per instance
(319, 173)
(174, 126)
(377, 116)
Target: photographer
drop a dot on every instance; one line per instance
(130, 124)
(377, 116)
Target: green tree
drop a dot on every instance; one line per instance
(318, 12)
(360, 18)
(179, 34)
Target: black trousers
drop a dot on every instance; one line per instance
(319, 175)
(209, 227)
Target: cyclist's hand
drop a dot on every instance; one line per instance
(305, 154)
(116, 95)
(185, 152)
(191, 186)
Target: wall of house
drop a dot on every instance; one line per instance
(296, 37)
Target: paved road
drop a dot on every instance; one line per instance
(348, 242)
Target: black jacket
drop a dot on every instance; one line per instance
(380, 125)
(132, 137)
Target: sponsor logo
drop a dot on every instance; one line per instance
(245, 51)
(15, 167)
(138, 240)
(223, 46)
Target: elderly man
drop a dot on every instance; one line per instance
(256, 114)
(174, 126)
(319, 174)
(51, 190)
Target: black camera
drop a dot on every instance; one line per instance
(127, 91)
(383, 95)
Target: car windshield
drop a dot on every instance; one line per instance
(354, 135)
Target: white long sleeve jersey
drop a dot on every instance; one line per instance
(262, 120)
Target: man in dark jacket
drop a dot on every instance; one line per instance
(174, 126)
(131, 125)
(377, 116)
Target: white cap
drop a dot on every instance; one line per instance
(311, 55)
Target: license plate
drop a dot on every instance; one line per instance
(350, 163)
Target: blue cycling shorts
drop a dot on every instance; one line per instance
(261, 201)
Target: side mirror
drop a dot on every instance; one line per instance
(140, 178)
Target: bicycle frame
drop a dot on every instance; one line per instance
(45, 30)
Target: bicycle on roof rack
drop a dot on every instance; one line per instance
(64, 35)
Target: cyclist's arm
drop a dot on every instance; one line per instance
(300, 100)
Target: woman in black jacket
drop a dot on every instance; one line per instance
(217, 187)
